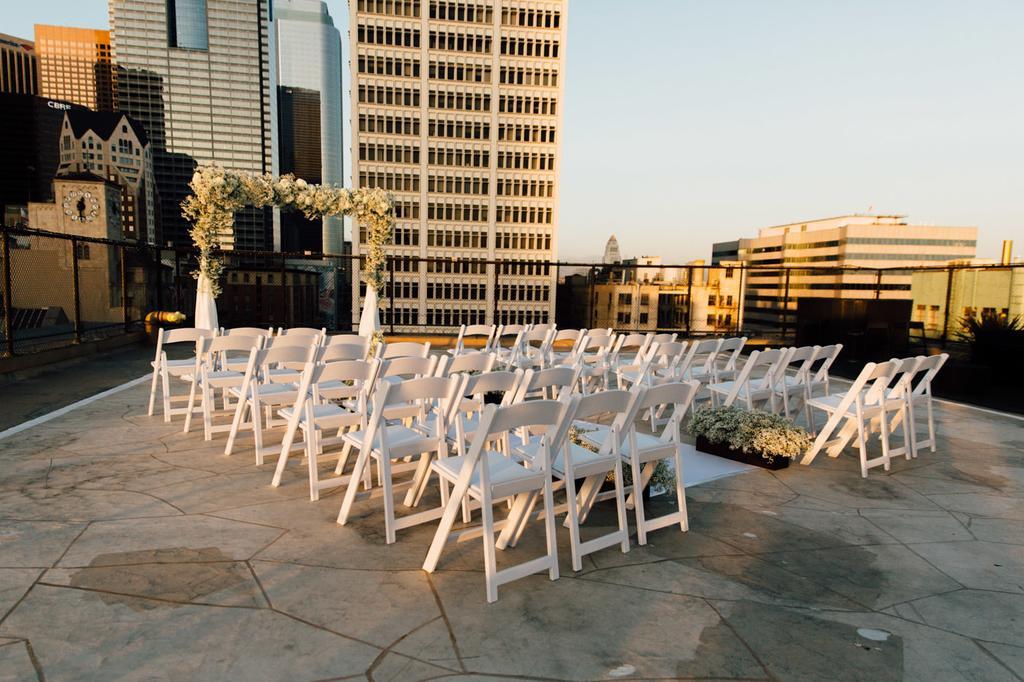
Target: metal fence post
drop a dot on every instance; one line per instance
(76, 291)
(8, 298)
(945, 309)
(126, 315)
(785, 309)
(689, 298)
(176, 279)
(591, 303)
(390, 292)
(878, 285)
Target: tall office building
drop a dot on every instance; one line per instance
(807, 253)
(196, 74)
(19, 66)
(308, 55)
(77, 65)
(456, 109)
(611, 251)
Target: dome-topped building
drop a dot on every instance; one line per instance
(611, 251)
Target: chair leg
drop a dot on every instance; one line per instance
(209, 403)
(152, 389)
(931, 423)
(191, 405)
(620, 505)
(549, 529)
(309, 436)
(353, 483)
(256, 416)
(236, 423)
(572, 521)
(389, 499)
(490, 557)
(862, 445)
(165, 390)
(684, 522)
(638, 500)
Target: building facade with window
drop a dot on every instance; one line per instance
(114, 146)
(19, 66)
(77, 65)
(310, 141)
(197, 75)
(457, 110)
(801, 260)
(644, 296)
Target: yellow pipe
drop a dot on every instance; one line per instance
(162, 316)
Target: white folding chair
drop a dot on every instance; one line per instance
(565, 346)
(550, 383)
(921, 394)
(466, 418)
(852, 411)
(660, 362)
(594, 356)
(725, 360)
(699, 362)
(350, 340)
(573, 462)
(164, 369)
(508, 343)
(754, 382)
(313, 418)
(534, 348)
(644, 451)
(820, 376)
(405, 349)
(488, 476)
(265, 332)
(629, 349)
(207, 377)
(487, 331)
(795, 388)
(386, 443)
(310, 332)
(258, 397)
(469, 362)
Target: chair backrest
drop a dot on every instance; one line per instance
(405, 349)
(303, 331)
(487, 331)
(543, 327)
(663, 356)
(635, 344)
(506, 383)
(466, 363)
(225, 344)
(902, 384)
(342, 351)
(362, 374)
(301, 340)
(183, 334)
(497, 420)
(540, 336)
(826, 355)
(729, 352)
(800, 359)
(409, 367)
(664, 338)
(701, 357)
(928, 368)
(350, 340)
(758, 372)
(248, 331)
(432, 394)
(871, 384)
(512, 330)
(678, 394)
(562, 378)
(619, 402)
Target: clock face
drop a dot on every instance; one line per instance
(81, 206)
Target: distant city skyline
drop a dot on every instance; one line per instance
(718, 119)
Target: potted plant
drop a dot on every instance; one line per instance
(752, 437)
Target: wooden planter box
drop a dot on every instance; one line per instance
(752, 458)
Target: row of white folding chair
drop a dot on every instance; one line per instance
(882, 397)
(489, 476)
(164, 369)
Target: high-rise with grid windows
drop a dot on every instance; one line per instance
(77, 65)
(196, 74)
(457, 110)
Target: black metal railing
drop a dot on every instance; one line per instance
(59, 289)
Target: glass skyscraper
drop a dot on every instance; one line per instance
(197, 75)
(308, 70)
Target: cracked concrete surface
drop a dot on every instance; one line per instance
(129, 550)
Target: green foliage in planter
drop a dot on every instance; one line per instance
(663, 477)
(995, 339)
(764, 433)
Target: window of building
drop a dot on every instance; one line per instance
(625, 299)
(711, 299)
(186, 24)
(623, 318)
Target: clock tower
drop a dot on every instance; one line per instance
(85, 205)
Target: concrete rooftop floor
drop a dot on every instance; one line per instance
(129, 550)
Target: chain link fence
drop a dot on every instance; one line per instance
(59, 290)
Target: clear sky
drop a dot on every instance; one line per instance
(688, 122)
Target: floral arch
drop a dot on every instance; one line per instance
(218, 193)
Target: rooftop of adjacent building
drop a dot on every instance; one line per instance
(14, 41)
(103, 123)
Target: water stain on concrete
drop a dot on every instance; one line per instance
(175, 576)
